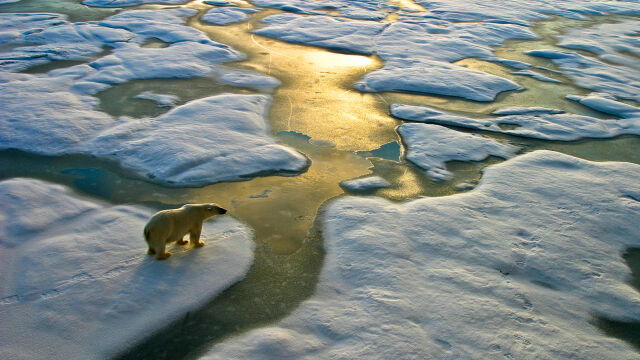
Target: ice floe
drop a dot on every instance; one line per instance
(515, 268)
(218, 138)
(227, 15)
(548, 126)
(369, 10)
(435, 77)
(365, 184)
(75, 280)
(607, 104)
(535, 75)
(332, 33)
(591, 73)
(122, 3)
(431, 146)
(41, 115)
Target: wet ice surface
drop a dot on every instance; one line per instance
(514, 268)
(430, 146)
(227, 15)
(548, 126)
(219, 138)
(365, 184)
(76, 282)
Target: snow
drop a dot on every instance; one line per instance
(515, 268)
(591, 73)
(332, 33)
(167, 100)
(227, 15)
(122, 3)
(76, 282)
(547, 126)
(435, 77)
(520, 110)
(366, 10)
(608, 41)
(607, 104)
(368, 183)
(536, 75)
(41, 115)
(218, 138)
(431, 146)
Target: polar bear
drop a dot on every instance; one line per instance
(169, 226)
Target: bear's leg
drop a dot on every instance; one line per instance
(194, 236)
(181, 241)
(151, 251)
(162, 253)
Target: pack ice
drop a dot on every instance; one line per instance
(516, 268)
(75, 280)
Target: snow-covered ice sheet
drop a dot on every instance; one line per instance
(515, 268)
(218, 138)
(545, 125)
(41, 115)
(369, 10)
(607, 104)
(76, 282)
(227, 15)
(617, 42)
(431, 146)
(365, 184)
(332, 33)
(122, 3)
(435, 77)
(594, 74)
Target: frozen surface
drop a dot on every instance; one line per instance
(431, 146)
(333, 33)
(594, 74)
(218, 138)
(435, 77)
(607, 104)
(618, 42)
(76, 282)
(227, 15)
(120, 3)
(548, 126)
(369, 10)
(161, 99)
(535, 75)
(515, 268)
(41, 115)
(365, 184)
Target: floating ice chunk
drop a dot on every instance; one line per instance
(546, 126)
(8, 1)
(366, 10)
(431, 146)
(76, 282)
(519, 110)
(167, 25)
(219, 3)
(435, 77)
(594, 74)
(333, 33)
(40, 115)
(604, 39)
(368, 183)
(14, 25)
(122, 3)
(219, 138)
(246, 78)
(602, 103)
(512, 63)
(227, 15)
(516, 268)
(185, 59)
(162, 99)
(536, 76)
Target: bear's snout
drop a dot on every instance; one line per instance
(223, 211)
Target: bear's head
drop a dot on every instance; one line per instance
(213, 209)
